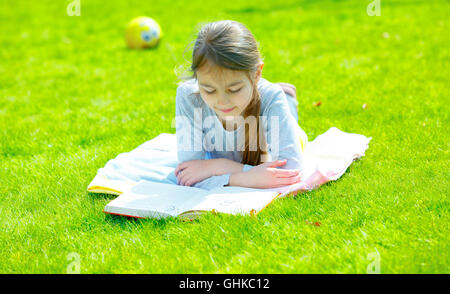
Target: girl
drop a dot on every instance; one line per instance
(226, 101)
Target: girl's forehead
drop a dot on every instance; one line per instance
(212, 75)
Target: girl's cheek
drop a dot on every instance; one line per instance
(244, 99)
(208, 100)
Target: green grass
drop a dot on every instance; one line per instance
(72, 97)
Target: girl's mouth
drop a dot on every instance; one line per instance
(227, 110)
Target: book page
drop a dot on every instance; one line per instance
(147, 198)
(236, 200)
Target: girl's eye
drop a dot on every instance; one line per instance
(235, 91)
(209, 92)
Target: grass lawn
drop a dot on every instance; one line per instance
(72, 97)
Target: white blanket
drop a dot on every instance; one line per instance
(326, 159)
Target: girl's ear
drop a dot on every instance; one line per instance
(259, 72)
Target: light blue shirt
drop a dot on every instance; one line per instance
(201, 135)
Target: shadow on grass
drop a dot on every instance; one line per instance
(146, 49)
(101, 196)
(126, 222)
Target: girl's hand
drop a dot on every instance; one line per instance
(189, 173)
(266, 176)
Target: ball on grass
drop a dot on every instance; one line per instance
(142, 32)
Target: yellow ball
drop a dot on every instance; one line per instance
(142, 32)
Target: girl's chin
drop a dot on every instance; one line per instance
(229, 115)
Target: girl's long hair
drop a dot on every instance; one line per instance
(229, 44)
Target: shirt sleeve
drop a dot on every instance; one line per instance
(213, 182)
(284, 135)
(247, 167)
(189, 136)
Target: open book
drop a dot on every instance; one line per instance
(145, 183)
(158, 200)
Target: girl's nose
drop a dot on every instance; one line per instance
(223, 101)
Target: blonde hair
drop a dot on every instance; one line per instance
(229, 44)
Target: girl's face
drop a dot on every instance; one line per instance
(226, 91)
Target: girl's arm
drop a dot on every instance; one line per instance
(265, 176)
(228, 166)
(191, 172)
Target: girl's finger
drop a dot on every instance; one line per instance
(187, 181)
(179, 171)
(288, 181)
(286, 173)
(190, 182)
(179, 168)
(180, 179)
(277, 163)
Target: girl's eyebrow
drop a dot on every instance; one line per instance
(230, 85)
